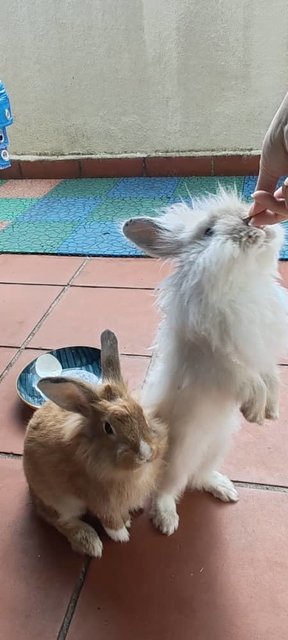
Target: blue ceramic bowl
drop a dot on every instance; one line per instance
(84, 359)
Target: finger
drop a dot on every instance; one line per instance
(267, 217)
(282, 192)
(279, 194)
(255, 209)
(267, 201)
(285, 191)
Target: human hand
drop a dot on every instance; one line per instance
(270, 208)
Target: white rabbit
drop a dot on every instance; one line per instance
(217, 349)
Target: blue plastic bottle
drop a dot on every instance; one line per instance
(6, 119)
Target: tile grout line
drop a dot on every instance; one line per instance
(77, 286)
(245, 484)
(104, 286)
(10, 455)
(73, 601)
(34, 284)
(122, 354)
(260, 486)
(40, 322)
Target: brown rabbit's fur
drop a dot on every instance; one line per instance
(72, 466)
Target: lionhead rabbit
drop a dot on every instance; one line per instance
(217, 349)
(92, 449)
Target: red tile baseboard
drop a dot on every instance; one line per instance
(178, 165)
(11, 173)
(69, 168)
(197, 165)
(111, 167)
(242, 165)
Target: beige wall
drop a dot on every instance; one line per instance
(142, 76)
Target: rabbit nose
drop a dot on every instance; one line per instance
(145, 451)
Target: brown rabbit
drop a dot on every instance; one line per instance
(92, 450)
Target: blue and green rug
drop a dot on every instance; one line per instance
(82, 217)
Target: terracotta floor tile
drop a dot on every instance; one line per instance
(138, 273)
(38, 269)
(22, 307)
(133, 272)
(283, 268)
(82, 314)
(260, 453)
(5, 356)
(223, 575)
(26, 188)
(38, 569)
(134, 370)
(14, 413)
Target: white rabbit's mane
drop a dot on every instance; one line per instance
(229, 298)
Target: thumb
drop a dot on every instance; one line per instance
(285, 192)
(266, 200)
(255, 209)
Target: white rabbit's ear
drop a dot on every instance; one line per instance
(155, 238)
(68, 394)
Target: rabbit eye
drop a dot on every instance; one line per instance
(208, 231)
(108, 429)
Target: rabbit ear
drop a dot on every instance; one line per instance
(71, 395)
(110, 361)
(155, 238)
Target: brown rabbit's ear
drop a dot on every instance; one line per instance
(71, 395)
(110, 361)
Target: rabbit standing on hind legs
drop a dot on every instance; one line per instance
(92, 449)
(224, 329)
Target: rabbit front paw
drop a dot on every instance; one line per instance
(85, 540)
(272, 410)
(164, 514)
(253, 412)
(118, 535)
(219, 486)
(255, 399)
(272, 391)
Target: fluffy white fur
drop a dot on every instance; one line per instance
(223, 332)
